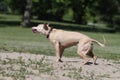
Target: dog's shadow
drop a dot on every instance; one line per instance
(75, 61)
(72, 61)
(90, 63)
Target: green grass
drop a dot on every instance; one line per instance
(10, 16)
(17, 39)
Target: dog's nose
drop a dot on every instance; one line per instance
(33, 28)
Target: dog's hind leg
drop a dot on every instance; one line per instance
(95, 59)
(91, 54)
(83, 49)
(86, 60)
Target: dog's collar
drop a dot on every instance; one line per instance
(49, 32)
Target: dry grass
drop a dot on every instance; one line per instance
(25, 66)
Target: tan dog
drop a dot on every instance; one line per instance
(63, 39)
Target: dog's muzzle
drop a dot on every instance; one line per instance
(34, 30)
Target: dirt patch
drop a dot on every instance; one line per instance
(26, 66)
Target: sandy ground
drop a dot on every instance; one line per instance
(69, 69)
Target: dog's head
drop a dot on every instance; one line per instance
(41, 28)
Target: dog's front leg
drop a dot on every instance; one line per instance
(58, 52)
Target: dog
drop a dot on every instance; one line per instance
(62, 39)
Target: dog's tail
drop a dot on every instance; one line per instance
(101, 44)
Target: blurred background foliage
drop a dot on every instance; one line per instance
(71, 11)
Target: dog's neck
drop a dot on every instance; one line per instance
(47, 36)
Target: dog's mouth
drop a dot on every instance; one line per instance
(34, 30)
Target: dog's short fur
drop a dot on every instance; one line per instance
(62, 39)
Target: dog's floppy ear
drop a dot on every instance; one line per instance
(46, 26)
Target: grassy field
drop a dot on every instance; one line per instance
(17, 39)
(14, 38)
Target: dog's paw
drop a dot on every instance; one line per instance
(88, 63)
(95, 63)
(59, 60)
